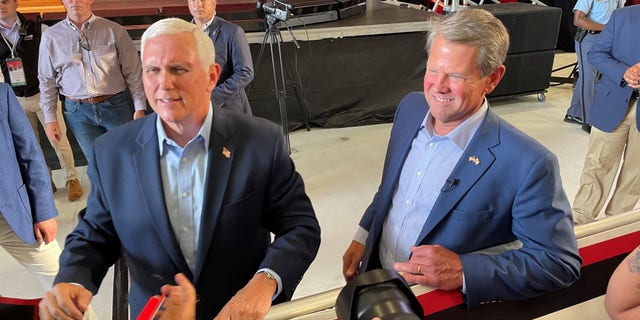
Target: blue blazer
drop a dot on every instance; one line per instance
(234, 57)
(513, 193)
(250, 194)
(25, 186)
(616, 50)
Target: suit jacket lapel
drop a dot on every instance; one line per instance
(147, 166)
(466, 172)
(221, 154)
(214, 29)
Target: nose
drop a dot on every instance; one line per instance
(438, 82)
(166, 80)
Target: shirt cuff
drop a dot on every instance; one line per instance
(361, 235)
(275, 276)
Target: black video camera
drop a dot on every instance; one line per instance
(275, 11)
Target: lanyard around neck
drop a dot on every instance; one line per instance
(12, 48)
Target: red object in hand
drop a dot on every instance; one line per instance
(151, 308)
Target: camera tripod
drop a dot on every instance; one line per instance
(273, 36)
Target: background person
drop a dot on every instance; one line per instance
(20, 47)
(615, 136)
(95, 65)
(212, 186)
(232, 54)
(589, 16)
(459, 179)
(27, 210)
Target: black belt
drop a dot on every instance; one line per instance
(593, 31)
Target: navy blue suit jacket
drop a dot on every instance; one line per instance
(513, 193)
(25, 187)
(250, 194)
(234, 57)
(615, 51)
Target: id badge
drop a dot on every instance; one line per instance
(16, 72)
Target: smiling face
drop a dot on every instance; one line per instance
(202, 10)
(176, 83)
(453, 83)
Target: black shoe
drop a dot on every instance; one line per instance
(586, 128)
(573, 119)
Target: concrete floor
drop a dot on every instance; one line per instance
(341, 169)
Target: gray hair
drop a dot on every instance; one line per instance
(204, 45)
(478, 28)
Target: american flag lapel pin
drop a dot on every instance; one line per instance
(226, 153)
(475, 160)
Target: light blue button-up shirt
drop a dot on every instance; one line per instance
(425, 171)
(598, 10)
(183, 181)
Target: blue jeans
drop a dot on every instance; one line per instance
(88, 120)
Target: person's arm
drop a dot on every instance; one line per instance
(242, 69)
(580, 20)
(64, 301)
(33, 167)
(251, 302)
(622, 300)
(131, 71)
(48, 88)
(601, 53)
(548, 259)
(288, 214)
(93, 246)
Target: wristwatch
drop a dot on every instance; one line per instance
(269, 275)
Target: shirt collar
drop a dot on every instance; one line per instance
(209, 23)
(205, 132)
(15, 27)
(86, 24)
(463, 133)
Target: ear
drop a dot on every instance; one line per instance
(214, 75)
(495, 78)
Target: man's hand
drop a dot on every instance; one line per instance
(180, 303)
(138, 114)
(45, 230)
(351, 260)
(251, 302)
(632, 76)
(65, 301)
(53, 131)
(434, 266)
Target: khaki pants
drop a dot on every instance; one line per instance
(606, 150)
(31, 107)
(42, 264)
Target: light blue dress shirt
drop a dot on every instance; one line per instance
(429, 163)
(184, 172)
(183, 181)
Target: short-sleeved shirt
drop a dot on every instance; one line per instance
(598, 10)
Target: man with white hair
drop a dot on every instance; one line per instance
(192, 190)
